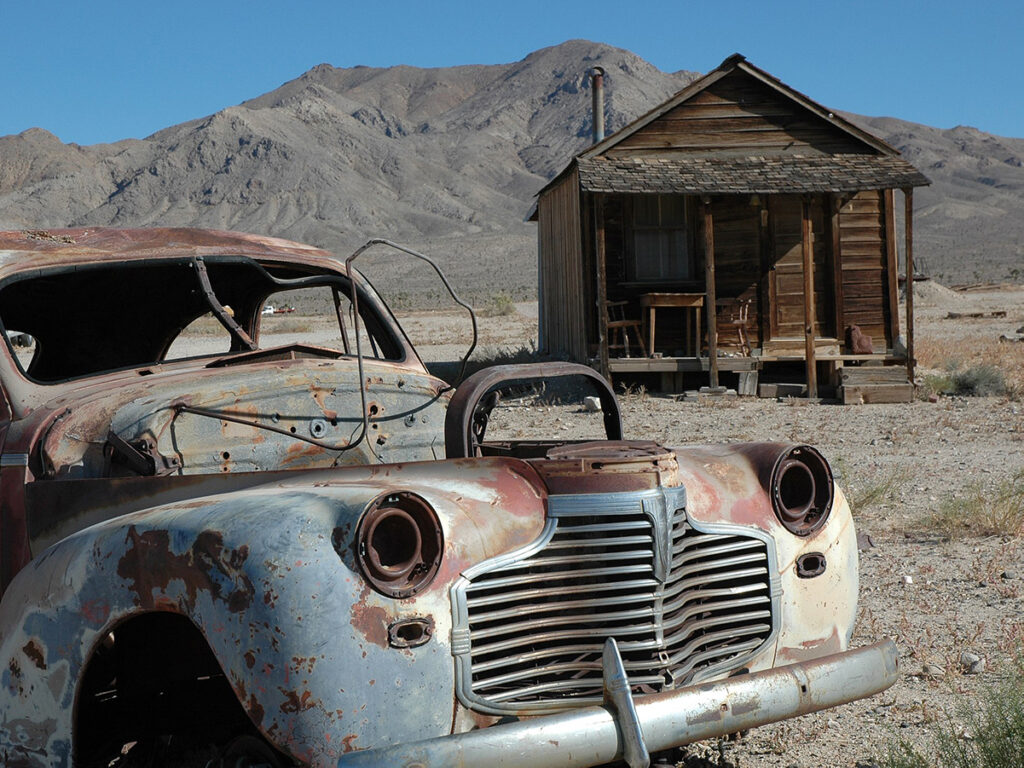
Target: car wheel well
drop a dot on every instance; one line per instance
(153, 687)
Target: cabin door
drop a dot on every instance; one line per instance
(786, 271)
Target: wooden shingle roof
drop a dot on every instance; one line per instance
(747, 175)
(739, 130)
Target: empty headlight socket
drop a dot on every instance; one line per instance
(399, 544)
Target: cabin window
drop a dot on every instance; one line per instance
(660, 242)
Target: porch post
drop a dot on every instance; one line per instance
(908, 198)
(709, 288)
(602, 286)
(808, 254)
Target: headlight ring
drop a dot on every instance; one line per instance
(399, 544)
(802, 490)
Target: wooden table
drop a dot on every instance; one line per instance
(693, 301)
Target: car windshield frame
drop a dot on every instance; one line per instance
(267, 276)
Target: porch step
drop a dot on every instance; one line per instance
(856, 394)
(782, 389)
(873, 374)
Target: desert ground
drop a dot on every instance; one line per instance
(940, 573)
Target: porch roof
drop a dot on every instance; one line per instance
(747, 175)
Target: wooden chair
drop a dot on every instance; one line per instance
(734, 315)
(619, 326)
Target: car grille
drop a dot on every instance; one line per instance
(680, 602)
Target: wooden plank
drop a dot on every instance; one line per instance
(892, 309)
(680, 364)
(863, 202)
(747, 384)
(873, 374)
(709, 287)
(776, 141)
(848, 220)
(698, 110)
(602, 286)
(739, 123)
(812, 366)
(878, 393)
(769, 259)
(908, 201)
(835, 265)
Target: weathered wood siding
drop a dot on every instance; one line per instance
(737, 267)
(864, 259)
(563, 330)
(787, 271)
(739, 114)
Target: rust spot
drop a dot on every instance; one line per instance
(752, 704)
(372, 623)
(711, 716)
(95, 612)
(346, 743)
(294, 702)
(255, 709)
(250, 659)
(35, 654)
(150, 565)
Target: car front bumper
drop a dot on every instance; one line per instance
(627, 729)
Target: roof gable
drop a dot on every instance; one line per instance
(739, 109)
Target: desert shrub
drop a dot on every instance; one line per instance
(958, 360)
(978, 511)
(500, 304)
(503, 304)
(979, 381)
(992, 735)
(938, 384)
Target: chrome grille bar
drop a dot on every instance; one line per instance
(679, 600)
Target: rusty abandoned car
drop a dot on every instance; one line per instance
(222, 541)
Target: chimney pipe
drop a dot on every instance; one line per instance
(597, 88)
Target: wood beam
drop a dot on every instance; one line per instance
(765, 305)
(836, 264)
(891, 269)
(808, 255)
(709, 288)
(908, 198)
(602, 286)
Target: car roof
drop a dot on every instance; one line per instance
(33, 249)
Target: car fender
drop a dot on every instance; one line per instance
(269, 577)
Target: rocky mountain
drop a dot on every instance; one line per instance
(447, 160)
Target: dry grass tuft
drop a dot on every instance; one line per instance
(979, 511)
(987, 736)
(865, 496)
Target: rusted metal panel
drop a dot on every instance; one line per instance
(269, 576)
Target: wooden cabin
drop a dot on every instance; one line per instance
(738, 228)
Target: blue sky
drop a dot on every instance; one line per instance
(105, 70)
